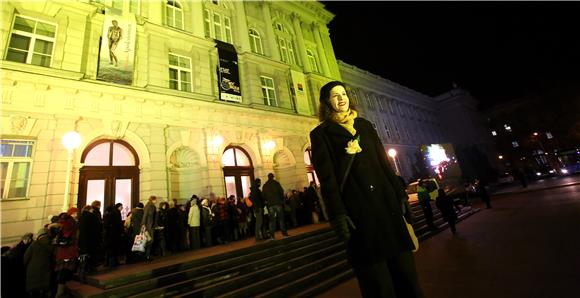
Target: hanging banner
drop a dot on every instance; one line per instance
(228, 76)
(117, 53)
(299, 85)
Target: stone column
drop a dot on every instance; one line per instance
(300, 40)
(329, 50)
(197, 18)
(320, 48)
(242, 26)
(270, 36)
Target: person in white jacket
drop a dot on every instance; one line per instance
(193, 222)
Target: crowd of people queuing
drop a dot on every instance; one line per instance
(80, 242)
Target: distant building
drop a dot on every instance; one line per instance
(173, 98)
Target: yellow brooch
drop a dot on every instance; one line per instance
(352, 147)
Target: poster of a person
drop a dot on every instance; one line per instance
(117, 52)
(115, 34)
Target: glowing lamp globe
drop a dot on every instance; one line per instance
(392, 153)
(71, 140)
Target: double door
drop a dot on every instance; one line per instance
(109, 185)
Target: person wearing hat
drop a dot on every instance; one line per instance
(37, 260)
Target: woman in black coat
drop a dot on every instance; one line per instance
(367, 213)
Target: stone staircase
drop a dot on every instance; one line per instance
(303, 265)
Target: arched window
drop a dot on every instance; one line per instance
(309, 167)
(256, 42)
(174, 14)
(238, 171)
(110, 174)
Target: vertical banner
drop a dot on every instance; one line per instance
(117, 58)
(228, 76)
(299, 84)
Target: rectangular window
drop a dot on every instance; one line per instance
(291, 57)
(179, 73)
(15, 166)
(31, 41)
(268, 91)
(227, 30)
(312, 61)
(283, 50)
(217, 26)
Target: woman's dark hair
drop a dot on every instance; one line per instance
(324, 107)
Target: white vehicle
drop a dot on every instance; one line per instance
(505, 178)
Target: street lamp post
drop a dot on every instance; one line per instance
(71, 141)
(393, 153)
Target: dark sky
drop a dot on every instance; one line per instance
(496, 50)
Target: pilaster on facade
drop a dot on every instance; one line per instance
(296, 22)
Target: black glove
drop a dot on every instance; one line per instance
(341, 226)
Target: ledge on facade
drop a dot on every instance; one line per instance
(272, 109)
(41, 70)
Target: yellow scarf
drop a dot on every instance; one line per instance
(346, 120)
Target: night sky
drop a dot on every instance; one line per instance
(498, 51)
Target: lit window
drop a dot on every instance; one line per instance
(179, 72)
(493, 133)
(217, 26)
(507, 127)
(174, 14)
(15, 166)
(256, 42)
(235, 157)
(268, 91)
(110, 153)
(515, 144)
(312, 60)
(31, 41)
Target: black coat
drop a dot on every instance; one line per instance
(372, 195)
(90, 233)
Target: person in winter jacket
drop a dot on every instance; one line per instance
(38, 260)
(194, 223)
(445, 204)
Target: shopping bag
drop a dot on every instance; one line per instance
(140, 240)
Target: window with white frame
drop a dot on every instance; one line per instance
(387, 129)
(179, 72)
(312, 60)
(285, 45)
(174, 14)
(217, 26)
(16, 165)
(256, 42)
(131, 6)
(31, 42)
(268, 91)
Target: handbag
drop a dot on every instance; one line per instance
(140, 241)
(412, 235)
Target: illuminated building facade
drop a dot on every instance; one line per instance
(170, 98)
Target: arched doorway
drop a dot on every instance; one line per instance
(110, 174)
(309, 167)
(238, 171)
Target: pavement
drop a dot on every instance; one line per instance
(527, 245)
